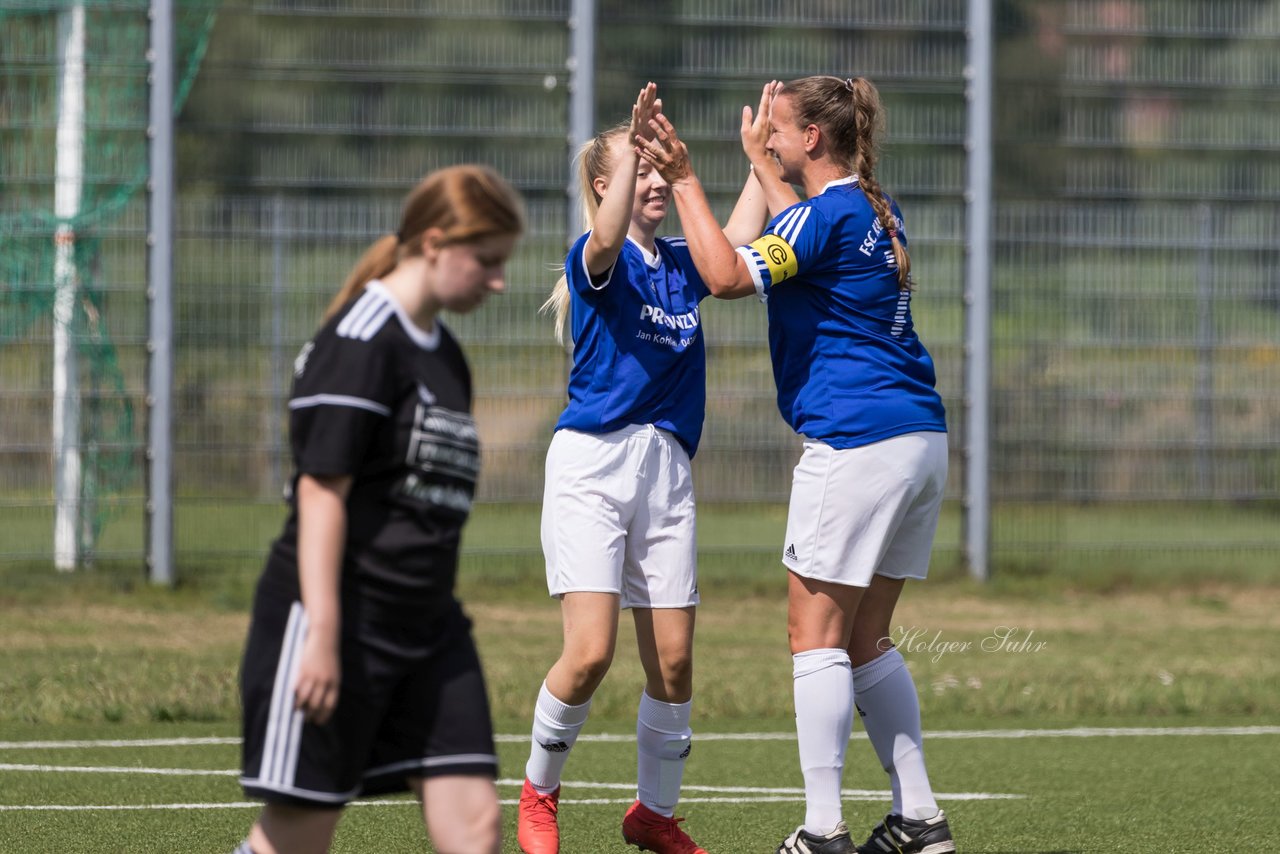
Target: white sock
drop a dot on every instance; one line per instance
(891, 715)
(555, 729)
(824, 718)
(663, 742)
(243, 848)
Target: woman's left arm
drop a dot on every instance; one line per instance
(722, 269)
(322, 537)
(750, 213)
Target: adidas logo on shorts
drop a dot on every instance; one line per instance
(790, 553)
(556, 747)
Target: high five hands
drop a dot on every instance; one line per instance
(660, 145)
(647, 105)
(756, 129)
(664, 149)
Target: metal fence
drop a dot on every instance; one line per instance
(1136, 292)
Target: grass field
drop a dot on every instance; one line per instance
(1008, 792)
(1165, 668)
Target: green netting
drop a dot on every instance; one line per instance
(112, 179)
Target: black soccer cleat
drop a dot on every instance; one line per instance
(898, 835)
(802, 841)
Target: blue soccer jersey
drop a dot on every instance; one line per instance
(849, 367)
(638, 355)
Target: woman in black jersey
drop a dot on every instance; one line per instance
(360, 676)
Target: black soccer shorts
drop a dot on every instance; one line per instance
(412, 703)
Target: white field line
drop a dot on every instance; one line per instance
(506, 802)
(229, 805)
(711, 794)
(1074, 732)
(116, 769)
(139, 742)
(790, 792)
(1102, 732)
(395, 803)
(745, 796)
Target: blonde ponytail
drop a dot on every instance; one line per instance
(594, 160)
(557, 305)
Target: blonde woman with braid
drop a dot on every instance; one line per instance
(618, 520)
(855, 381)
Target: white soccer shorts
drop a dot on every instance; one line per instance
(866, 511)
(618, 517)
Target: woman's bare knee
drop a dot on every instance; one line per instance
(664, 637)
(462, 814)
(578, 671)
(285, 829)
(590, 634)
(478, 833)
(872, 634)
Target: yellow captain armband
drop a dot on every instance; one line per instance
(778, 256)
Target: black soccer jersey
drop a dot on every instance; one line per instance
(377, 398)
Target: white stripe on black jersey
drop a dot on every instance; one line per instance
(339, 400)
(367, 316)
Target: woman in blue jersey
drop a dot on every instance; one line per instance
(856, 382)
(618, 511)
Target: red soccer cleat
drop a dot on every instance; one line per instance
(536, 828)
(649, 831)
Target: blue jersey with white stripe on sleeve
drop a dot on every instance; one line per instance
(849, 367)
(638, 354)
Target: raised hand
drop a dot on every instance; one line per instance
(647, 105)
(664, 150)
(756, 127)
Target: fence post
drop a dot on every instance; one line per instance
(68, 184)
(979, 72)
(160, 233)
(582, 99)
(1204, 355)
